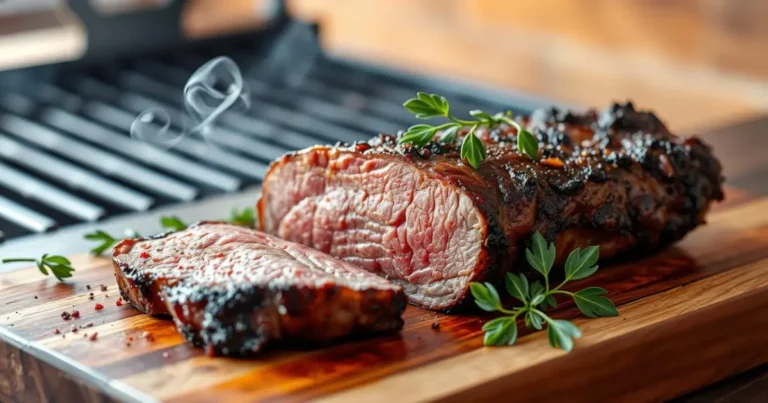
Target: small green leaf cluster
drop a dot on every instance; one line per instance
(59, 266)
(173, 223)
(245, 217)
(537, 297)
(426, 106)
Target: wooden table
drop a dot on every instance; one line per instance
(692, 315)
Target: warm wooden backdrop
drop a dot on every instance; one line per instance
(696, 62)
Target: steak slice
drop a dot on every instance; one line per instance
(429, 222)
(233, 290)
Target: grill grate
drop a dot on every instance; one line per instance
(66, 156)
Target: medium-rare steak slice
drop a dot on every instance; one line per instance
(428, 221)
(233, 289)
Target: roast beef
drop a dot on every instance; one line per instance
(425, 219)
(232, 290)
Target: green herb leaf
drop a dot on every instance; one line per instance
(561, 333)
(419, 135)
(593, 303)
(581, 263)
(40, 267)
(541, 257)
(482, 116)
(533, 319)
(537, 297)
(449, 134)
(472, 149)
(425, 105)
(60, 260)
(173, 223)
(500, 331)
(551, 301)
(527, 144)
(245, 217)
(106, 241)
(517, 286)
(60, 266)
(536, 288)
(486, 296)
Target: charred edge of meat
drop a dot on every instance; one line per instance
(278, 314)
(240, 319)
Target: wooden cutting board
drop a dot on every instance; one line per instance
(690, 315)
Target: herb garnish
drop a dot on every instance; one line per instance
(173, 223)
(60, 266)
(100, 236)
(245, 217)
(536, 297)
(426, 106)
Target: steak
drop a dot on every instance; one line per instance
(426, 220)
(233, 290)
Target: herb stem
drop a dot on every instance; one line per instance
(557, 291)
(461, 121)
(513, 312)
(19, 260)
(511, 122)
(445, 126)
(542, 314)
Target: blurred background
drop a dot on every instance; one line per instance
(74, 76)
(695, 62)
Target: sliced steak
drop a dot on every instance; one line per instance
(232, 290)
(426, 220)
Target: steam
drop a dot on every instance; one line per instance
(218, 86)
(214, 88)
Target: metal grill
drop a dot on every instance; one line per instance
(66, 156)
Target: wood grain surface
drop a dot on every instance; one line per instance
(689, 316)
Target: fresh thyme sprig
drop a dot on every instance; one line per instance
(60, 266)
(426, 106)
(537, 297)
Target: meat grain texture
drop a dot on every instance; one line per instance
(429, 222)
(233, 290)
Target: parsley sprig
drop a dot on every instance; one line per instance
(60, 266)
(537, 297)
(426, 106)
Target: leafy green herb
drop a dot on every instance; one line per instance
(107, 241)
(173, 223)
(426, 106)
(245, 217)
(537, 297)
(60, 266)
(472, 149)
(527, 144)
